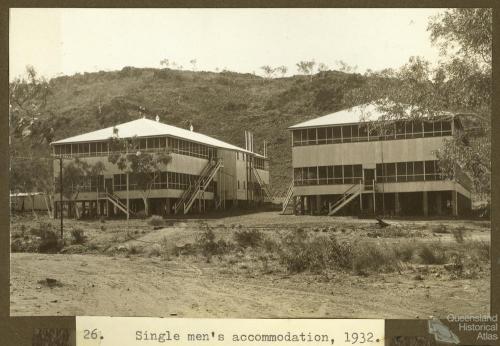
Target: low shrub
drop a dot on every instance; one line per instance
(432, 254)
(154, 251)
(372, 257)
(41, 228)
(133, 249)
(299, 252)
(164, 251)
(270, 245)
(477, 250)
(78, 236)
(49, 242)
(248, 238)
(141, 214)
(442, 229)
(459, 234)
(23, 245)
(207, 245)
(156, 221)
(404, 251)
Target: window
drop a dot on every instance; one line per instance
(446, 127)
(348, 174)
(357, 173)
(338, 175)
(390, 132)
(437, 129)
(337, 134)
(354, 133)
(312, 176)
(400, 130)
(380, 173)
(260, 163)
(297, 138)
(120, 182)
(311, 136)
(418, 167)
(329, 172)
(374, 133)
(430, 170)
(401, 171)
(390, 172)
(322, 175)
(409, 129)
(346, 134)
(322, 135)
(428, 128)
(363, 133)
(183, 147)
(418, 131)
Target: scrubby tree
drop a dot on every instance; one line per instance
(165, 62)
(460, 83)
(282, 70)
(27, 104)
(193, 63)
(30, 133)
(268, 71)
(342, 66)
(143, 167)
(76, 175)
(322, 67)
(306, 67)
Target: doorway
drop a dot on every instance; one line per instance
(108, 185)
(369, 176)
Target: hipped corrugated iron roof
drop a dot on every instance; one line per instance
(149, 128)
(354, 115)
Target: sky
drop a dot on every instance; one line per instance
(68, 41)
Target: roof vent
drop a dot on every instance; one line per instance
(191, 128)
(157, 119)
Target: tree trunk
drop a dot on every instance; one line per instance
(33, 206)
(77, 212)
(146, 206)
(47, 204)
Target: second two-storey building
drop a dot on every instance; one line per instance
(344, 164)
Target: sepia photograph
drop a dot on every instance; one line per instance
(250, 163)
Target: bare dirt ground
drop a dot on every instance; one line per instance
(104, 280)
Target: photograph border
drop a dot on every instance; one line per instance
(19, 330)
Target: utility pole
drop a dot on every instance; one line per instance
(61, 192)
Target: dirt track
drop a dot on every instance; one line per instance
(118, 286)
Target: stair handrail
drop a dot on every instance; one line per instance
(185, 194)
(288, 196)
(202, 184)
(264, 186)
(116, 201)
(346, 195)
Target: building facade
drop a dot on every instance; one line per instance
(203, 174)
(344, 164)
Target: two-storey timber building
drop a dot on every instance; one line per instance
(343, 165)
(204, 173)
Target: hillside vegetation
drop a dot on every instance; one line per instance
(221, 105)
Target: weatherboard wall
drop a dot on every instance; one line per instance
(367, 153)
